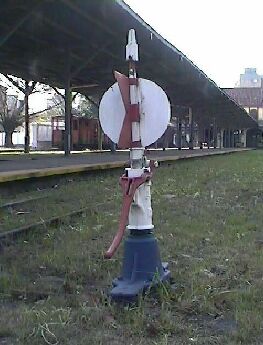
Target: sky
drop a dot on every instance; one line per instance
(222, 37)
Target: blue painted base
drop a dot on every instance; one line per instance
(141, 269)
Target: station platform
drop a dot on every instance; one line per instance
(14, 167)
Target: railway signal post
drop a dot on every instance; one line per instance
(134, 113)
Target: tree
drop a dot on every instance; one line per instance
(81, 105)
(11, 115)
(87, 107)
(58, 103)
(27, 88)
(15, 112)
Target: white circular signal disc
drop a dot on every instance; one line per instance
(112, 113)
(155, 112)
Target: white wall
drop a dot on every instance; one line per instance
(18, 137)
(38, 133)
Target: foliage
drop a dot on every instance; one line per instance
(81, 105)
(11, 114)
(56, 105)
(26, 87)
(87, 107)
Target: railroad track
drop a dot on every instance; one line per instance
(13, 208)
(12, 204)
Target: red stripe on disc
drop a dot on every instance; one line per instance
(132, 111)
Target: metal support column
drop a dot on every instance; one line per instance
(191, 129)
(231, 138)
(244, 137)
(232, 142)
(228, 138)
(215, 134)
(205, 136)
(221, 139)
(68, 109)
(225, 138)
(200, 135)
(27, 130)
(209, 137)
(179, 133)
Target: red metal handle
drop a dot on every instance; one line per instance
(122, 224)
(129, 186)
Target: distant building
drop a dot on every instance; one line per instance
(251, 99)
(250, 78)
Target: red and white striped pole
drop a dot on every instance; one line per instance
(136, 182)
(134, 113)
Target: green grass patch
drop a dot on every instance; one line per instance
(58, 200)
(208, 216)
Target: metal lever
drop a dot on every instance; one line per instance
(129, 187)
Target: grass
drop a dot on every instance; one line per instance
(59, 198)
(208, 217)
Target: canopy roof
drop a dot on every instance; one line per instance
(43, 40)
